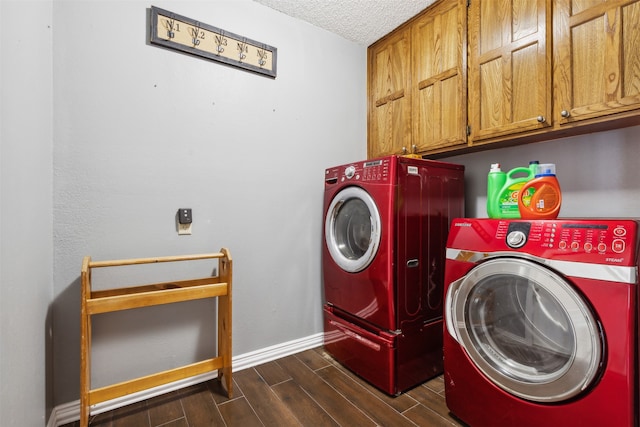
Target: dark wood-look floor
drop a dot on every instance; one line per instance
(306, 389)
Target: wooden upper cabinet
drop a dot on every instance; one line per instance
(597, 58)
(417, 80)
(389, 96)
(439, 77)
(509, 67)
(537, 69)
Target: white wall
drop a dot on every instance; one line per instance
(598, 173)
(141, 131)
(26, 252)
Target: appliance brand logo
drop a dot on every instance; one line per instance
(617, 260)
(463, 224)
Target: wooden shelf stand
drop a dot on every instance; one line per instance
(106, 301)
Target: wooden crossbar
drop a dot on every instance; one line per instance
(146, 299)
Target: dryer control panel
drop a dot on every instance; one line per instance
(606, 241)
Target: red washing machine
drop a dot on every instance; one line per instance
(386, 225)
(542, 322)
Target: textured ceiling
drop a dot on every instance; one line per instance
(361, 21)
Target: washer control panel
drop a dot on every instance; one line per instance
(373, 171)
(609, 241)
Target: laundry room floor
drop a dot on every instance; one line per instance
(305, 389)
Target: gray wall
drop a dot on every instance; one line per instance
(26, 242)
(598, 173)
(142, 131)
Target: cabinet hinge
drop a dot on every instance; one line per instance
(468, 130)
(468, 3)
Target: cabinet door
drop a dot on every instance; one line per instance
(439, 80)
(389, 95)
(509, 67)
(597, 58)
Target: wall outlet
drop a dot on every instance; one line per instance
(184, 228)
(184, 218)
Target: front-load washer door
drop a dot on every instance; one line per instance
(352, 229)
(526, 328)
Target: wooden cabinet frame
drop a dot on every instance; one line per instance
(110, 300)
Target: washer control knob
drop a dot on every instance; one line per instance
(516, 239)
(350, 171)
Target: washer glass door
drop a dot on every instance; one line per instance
(526, 328)
(352, 229)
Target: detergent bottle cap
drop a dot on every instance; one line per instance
(546, 169)
(495, 167)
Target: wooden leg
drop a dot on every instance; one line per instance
(224, 342)
(85, 344)
(224, 322)
(85, 372)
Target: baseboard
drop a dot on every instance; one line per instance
(70, 412)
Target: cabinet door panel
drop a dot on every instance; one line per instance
(525, 64)
(509, 67)
(631, 51)
(492, 97)
(439, 77)
(597, 58)
(492, 24)
(525, 19)
(588, 62)
(390, 127)
(389, 96)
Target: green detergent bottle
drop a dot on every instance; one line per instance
(503, 188)
(495, 181)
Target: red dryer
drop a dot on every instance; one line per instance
(385, 231)
(542, 322)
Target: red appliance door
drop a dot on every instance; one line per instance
(370, 355)
(352, 229)
(526, 328)
(427, 203)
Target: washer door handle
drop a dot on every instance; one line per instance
(413, 263)
(450, 299)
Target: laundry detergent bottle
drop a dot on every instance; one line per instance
(503, 202)
(541, 197)
(495, 181)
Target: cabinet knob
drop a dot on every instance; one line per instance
(541, 119)
(414, 148)
(565, 113)
(404, 150)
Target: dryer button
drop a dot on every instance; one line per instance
(619, 231)
(618, 246)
